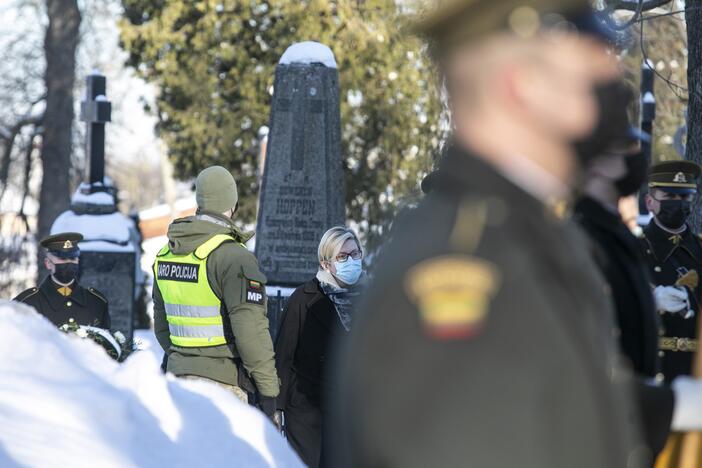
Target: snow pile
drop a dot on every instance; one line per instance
(97, 198)
(308, 52)
(101, 233)
(64, 402)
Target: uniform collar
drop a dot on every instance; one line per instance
(664, 243)
(50, 288)
(463, 173)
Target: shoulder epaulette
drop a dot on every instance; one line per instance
(26, 294)
(98, 294)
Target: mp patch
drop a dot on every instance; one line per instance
(255, 293)
(178, 272)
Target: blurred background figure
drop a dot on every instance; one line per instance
(318, 312)
(618, 173)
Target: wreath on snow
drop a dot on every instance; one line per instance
(113, 342)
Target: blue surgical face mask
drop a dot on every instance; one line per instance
(349, 271)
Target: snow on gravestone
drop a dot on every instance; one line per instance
(109, 252)
(64, 402)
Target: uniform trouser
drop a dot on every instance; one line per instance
(233, 389)
(304, 422)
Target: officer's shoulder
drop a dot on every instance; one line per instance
(26, 294)
(94, 292)
(233, 249)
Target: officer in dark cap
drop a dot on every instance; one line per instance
(674, 257)
(485, 339)
(59, 297)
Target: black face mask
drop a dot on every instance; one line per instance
(674, 213)
(613, 97)
(66, 272)
(636, 175)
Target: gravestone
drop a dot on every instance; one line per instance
(110, 248)
(302, 190)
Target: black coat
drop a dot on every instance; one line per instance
(485, 340)
(668, 259)
(618, 255)
(85, 306)
(309, 325)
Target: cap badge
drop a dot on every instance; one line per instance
(68, 245)
(680, 178)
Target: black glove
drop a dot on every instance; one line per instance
(267, 405)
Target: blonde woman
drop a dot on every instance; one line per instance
(318, 312)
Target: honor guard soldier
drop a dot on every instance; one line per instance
(674, 256)
(486, 339)
(59, 297)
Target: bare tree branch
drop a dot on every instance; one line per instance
(634, 5)
(9, 135)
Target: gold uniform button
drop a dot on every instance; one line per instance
(657, 269)
(69, 303)
(660, 377)
(661, 353)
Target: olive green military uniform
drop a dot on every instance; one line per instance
(485, 341)
(59, 303)
(675, 260)
(231, 270)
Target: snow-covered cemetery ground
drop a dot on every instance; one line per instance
(65, 403)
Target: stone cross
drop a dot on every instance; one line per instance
(95, 111)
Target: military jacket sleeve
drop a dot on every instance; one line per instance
(235, 277)
(98, 302)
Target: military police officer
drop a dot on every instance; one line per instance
(486, 337)
(210, 298)
(59, 297)
(674, 256)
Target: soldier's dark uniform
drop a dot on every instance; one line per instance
(86, 306)
(485, 340)
(671, 257)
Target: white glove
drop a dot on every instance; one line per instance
(672, 299)
(687, 414)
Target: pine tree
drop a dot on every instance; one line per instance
(214, 62)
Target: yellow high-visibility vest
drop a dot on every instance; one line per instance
(193, 311)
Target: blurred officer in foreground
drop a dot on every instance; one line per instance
(620, 172)
(59, 297)
(674, 257)
(210, 298)
(486, 338)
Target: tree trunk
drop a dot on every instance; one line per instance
(60, 45)
(693, 151)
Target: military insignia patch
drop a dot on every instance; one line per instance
(255, 293)
(452, 294)
(680, 178)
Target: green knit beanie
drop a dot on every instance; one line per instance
(215, 190)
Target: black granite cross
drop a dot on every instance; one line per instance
(95, 110)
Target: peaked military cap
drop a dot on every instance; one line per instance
(675, 176)
(456, 21)
(63, 245)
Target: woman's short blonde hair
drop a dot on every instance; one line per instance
(332, 240)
